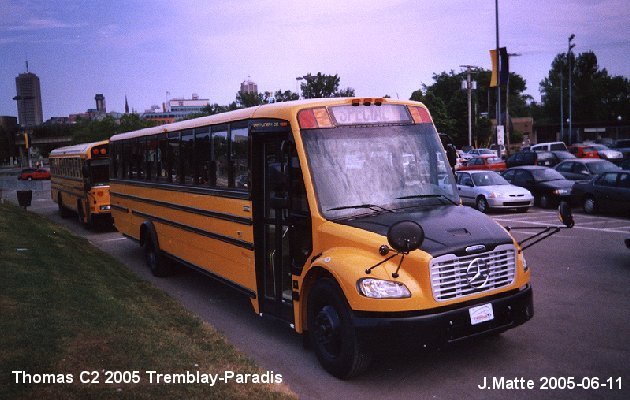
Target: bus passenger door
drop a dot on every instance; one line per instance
(270, 198)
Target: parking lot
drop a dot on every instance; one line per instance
(579, 331)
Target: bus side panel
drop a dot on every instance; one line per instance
(190, 227)
(69, 189)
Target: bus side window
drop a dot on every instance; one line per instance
(240, 157)
(203, 152)
(189, 175)
(220, 156)
(173, 158)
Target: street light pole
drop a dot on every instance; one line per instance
(496, 8)
(469, 88)
(571, 45)
(561, 109)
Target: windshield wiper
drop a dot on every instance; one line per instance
(427, 196)
(372, 207)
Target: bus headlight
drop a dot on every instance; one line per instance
(105, 208)
(382, 289)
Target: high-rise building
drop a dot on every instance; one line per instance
(29, 100)
(249, 86)
(100, 103)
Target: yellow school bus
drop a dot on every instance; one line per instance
(339, 216)
(80, 181)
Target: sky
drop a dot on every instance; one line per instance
(151, 51)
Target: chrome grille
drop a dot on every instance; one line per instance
(454, 277)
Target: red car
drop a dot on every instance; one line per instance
(491, 163)
(28, 174)
(583, 151)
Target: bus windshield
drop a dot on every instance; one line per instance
(377, 167)
(99, 172)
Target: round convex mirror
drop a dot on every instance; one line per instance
(405, 236)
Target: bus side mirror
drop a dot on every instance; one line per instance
(405, 236)
(565, 215)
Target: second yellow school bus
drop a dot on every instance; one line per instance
(339, 216)
(80, 181)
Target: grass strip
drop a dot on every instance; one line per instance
(67, 307)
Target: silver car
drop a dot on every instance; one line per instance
(487, 190)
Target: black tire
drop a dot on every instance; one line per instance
(482, 205)
(590, 205)
(335, 341)
(63, 211)
(544, 201)
(86, 222)
(159, 265)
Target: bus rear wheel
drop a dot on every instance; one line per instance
(63, 211)
(336, 344)
(159, 265)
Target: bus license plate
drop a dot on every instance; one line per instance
(481, 314)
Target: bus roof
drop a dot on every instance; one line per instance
(80, 150)
(282, 110)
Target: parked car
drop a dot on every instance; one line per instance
(28, 174)
(472, 153)
(609, 191)
(546, 184)
(486, 162)
(583, 151)
(561, 155)
(607, 153)
(581, 169)
(544, 158)
(623, 146)
(497, 147)
(487, 190)
(548, 146)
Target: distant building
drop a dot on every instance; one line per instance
(176, 109)
(100, 103)
(29, 100)
(249, 86)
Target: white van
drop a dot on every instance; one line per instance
(549, 146)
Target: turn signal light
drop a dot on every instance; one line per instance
(314, 118)
(420, 115)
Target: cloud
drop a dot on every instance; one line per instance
(36, 24)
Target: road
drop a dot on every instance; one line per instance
(580, 329)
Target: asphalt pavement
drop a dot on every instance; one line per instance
(577, 340)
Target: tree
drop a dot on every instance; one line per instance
(323, 86)
(596, 96)
(287, 95)
(246, 99)
(448, 103)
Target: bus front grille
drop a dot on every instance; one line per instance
(454, 277)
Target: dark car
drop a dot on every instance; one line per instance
(28, 174)
(585, 168)
(544, 158)
(609, 191)
(546, 184)
(622, 145)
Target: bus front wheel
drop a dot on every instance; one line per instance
(336, 344)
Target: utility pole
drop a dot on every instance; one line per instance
(470, 85)
(499, 67)
(507, 107)
(571, 45)
(561, 109)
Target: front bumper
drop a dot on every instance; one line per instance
(507, 202)
(451, 325)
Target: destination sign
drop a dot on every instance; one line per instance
(372, 114)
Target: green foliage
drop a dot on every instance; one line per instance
(323, 86)
(287, 95)
(448, 103)
(596, 96)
